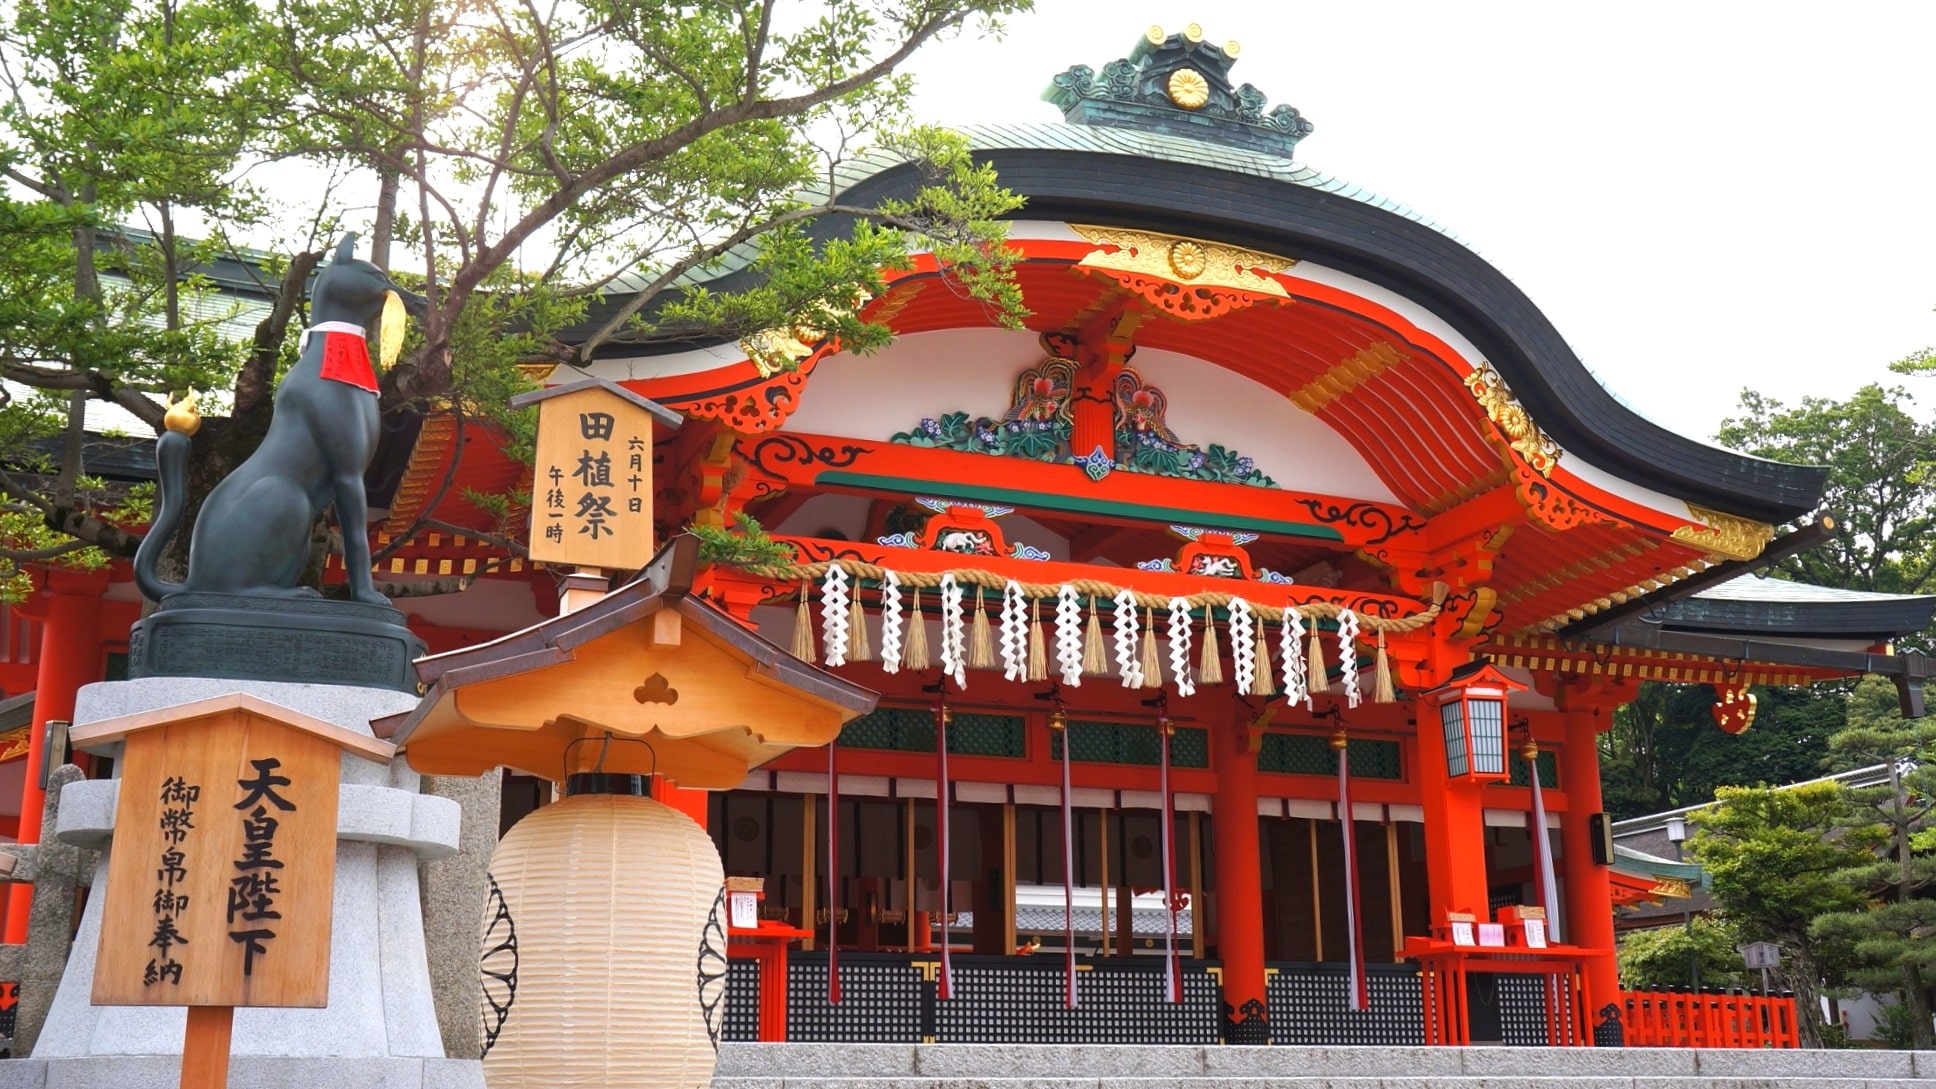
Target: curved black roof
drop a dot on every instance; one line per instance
(1751, 605)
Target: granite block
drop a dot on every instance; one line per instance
(87, 812)
(22, 1074)
(1331, 1061)
(816, 1060)
(1578, 1061)
(1795, 1063)
(1057, 1060)
(1924, 1063)
(453, 1074)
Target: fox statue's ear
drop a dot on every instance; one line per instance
(346, 249)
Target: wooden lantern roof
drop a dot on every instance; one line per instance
(648, 679)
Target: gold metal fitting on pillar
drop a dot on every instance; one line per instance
(1339, 739)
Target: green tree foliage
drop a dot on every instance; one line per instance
(1657, 958)
(1665, 752)
(1777, 860)
(1881, 484)
(555, 178)
(1890, 936)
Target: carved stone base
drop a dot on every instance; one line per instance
(1246, 1024)
(300, 640)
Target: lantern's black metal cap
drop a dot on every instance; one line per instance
(598, 782)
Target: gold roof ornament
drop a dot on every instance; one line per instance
(1188, 88)
(1512, 419)
(1727, 535)
(1192, 260)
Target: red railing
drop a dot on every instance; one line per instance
(1709, 1019)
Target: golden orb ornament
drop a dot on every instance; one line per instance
(1193, 32)
(1188, 260)
(1155, 34)
(1188, 88)
(1231, 48)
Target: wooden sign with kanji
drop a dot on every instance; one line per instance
(224, 863)
(591, 488)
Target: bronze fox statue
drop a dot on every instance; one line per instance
(252, 536)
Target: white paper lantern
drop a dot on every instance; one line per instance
(604, 953)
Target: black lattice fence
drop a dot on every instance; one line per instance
(1522, 1009)
(742, 1020)
(1307, 1006)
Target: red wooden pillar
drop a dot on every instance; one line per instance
(1589, 886)
(1240, 888)
(68, 606)
(1455, 828)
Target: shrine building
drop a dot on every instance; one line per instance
(1253, 614)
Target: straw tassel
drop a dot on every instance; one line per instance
(803, 640)
(1151, 665)
(1382, 691)
(917, 657)
(859, 649)
(1261, 683)
(1095, 658)
(1038, 658)
(1210, 671)
(981, 638)
(1315, 679)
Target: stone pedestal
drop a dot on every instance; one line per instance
(380, 1027)
(275, 639)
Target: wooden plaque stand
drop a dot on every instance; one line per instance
(224, 865)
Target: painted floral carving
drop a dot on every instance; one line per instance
(1038, 423)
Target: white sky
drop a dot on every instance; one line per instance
(1700, 196)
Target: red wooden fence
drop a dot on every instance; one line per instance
(1679, 1019)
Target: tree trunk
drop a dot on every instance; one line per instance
(1799, 975)
(1916, 996)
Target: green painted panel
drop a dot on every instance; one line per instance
(911, 729)
(1310, 754)
(1132, 743)
(1549, 770)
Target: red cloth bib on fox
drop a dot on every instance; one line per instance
(346, 358)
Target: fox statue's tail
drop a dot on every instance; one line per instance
(171, 476)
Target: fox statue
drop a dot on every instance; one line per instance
(252, 536)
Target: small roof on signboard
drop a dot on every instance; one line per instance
(660, 413)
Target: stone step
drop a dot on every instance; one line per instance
(1031, 1066)
(1321, 1082)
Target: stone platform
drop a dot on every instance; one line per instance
(1022, 1066)
(379, 1030)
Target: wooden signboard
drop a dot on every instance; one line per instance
(223, 874)
(591, 490)
(223, 868)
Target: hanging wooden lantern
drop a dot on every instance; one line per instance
(594, 930)
(1472, 716)
(613, 899)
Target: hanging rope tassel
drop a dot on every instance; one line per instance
(1210, 671)
(981, 638)
(1151, 665)
(1095, 657)
(858, 647)
(1382, 691)
(1261, 681)
(917, 657)
(1315, 679)
(1038, 662)
(803, 640)
(1173, 967)
(1358, 990)
(942, 794)
(833, 877)
(1060, 724)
